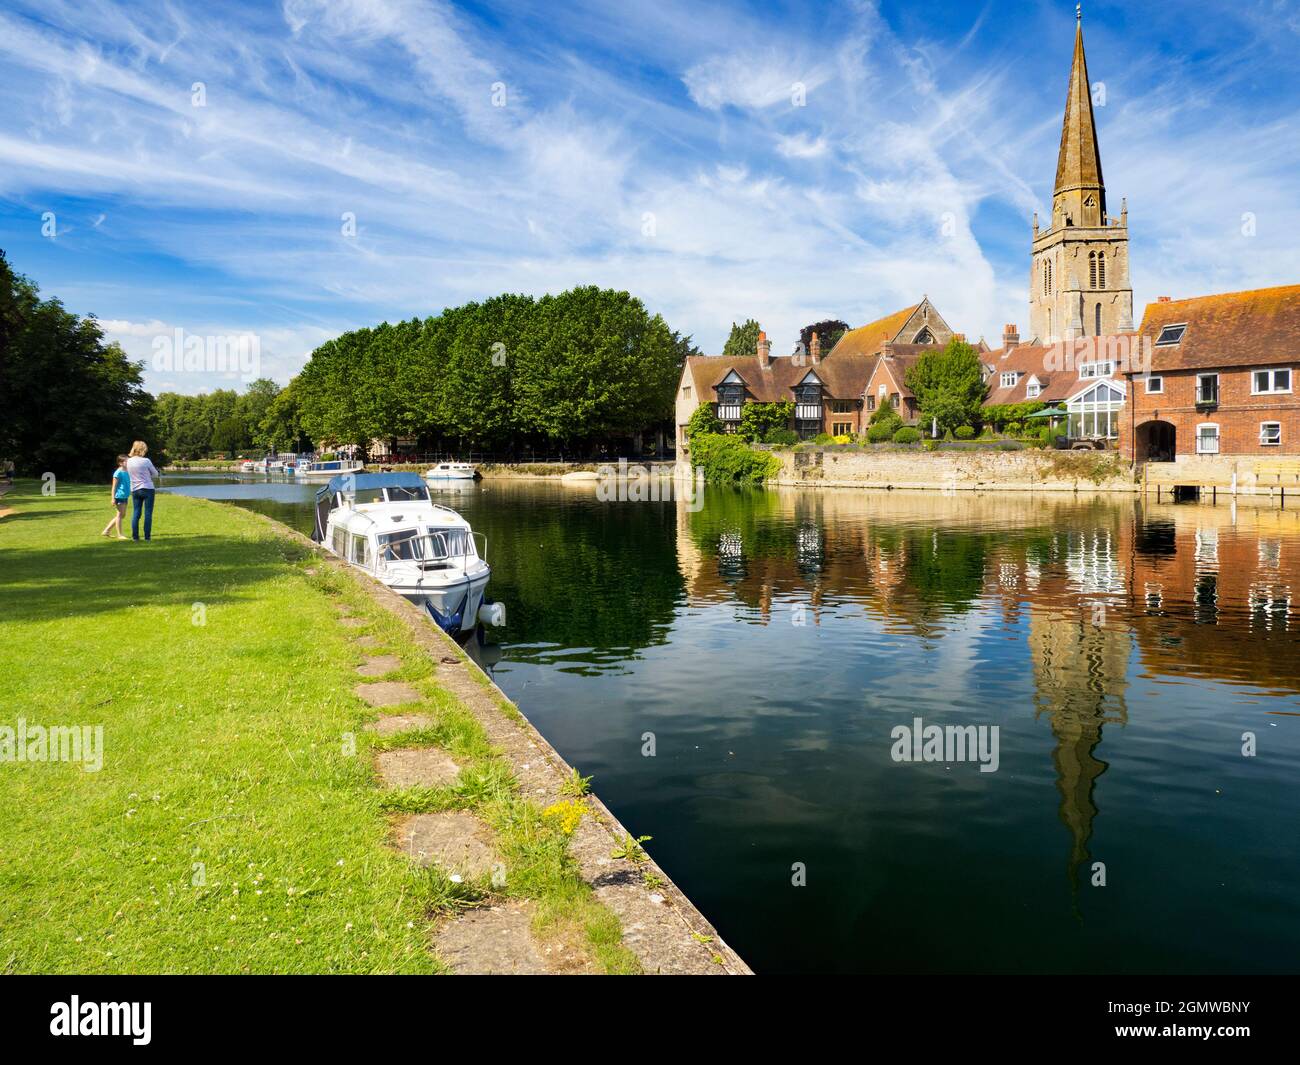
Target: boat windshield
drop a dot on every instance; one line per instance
(394, 495)
(417, 545)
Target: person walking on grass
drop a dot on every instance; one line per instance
(121, 493)
(142, 473)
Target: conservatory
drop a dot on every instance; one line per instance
(1094, 413)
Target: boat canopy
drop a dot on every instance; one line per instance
(353, 481)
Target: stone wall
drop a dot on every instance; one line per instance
(1030, 470)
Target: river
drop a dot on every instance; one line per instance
(733, 675)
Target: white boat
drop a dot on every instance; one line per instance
(451, 471)
(386, 525)
(323, 471)
(248, 467)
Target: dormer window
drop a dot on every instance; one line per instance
(731, 396)
(1034, 389)
(1010, 379)
(1171, 334)
(1096, 369)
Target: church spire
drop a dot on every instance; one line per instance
(1080, 195)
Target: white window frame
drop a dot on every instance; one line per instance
(1010, 379)
(1158, 382)
(1272, 389)
(1033, 390)
(1090, 370)
(1164, 329)
(1270, 443)
(1217, 434)
(1201, 377)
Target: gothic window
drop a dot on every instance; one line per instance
(1101, 269)
(1097, 329)
(1047, 277)
(924, 337)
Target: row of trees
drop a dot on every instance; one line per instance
(264, 417)
(585, 365)
(71, 402)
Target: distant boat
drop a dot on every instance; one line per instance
(323, 471)
(451, 471)
(386, 525)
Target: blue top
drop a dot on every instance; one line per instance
(121, 485)
(351, 481)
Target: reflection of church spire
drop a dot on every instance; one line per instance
(1080, 670)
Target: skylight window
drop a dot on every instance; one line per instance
(1171, 334)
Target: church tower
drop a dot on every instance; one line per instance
(1079, 282)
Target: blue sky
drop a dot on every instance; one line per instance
(657, 147)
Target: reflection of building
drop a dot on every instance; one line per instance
(1080, 673)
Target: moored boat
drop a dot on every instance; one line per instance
(451, 471)
(386, 525)
(323, 471)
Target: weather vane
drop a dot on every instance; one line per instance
(1078, 12)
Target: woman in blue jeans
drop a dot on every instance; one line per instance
(142, 473)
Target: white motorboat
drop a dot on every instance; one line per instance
(323, 471)
(451, 471)
(386, 525)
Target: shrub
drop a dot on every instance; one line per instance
(965, 432)
(930, 445)
(906, 435)
(704, 420)
(781, 437)
(881, 432)
(948, 435)
(823, 439)
(759, 419)
(727, 458)
(843, 439)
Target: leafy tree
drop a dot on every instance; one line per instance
(828, 334)
(743, 339)
(281, 428)
(759, 419)
(949, 384)
(72, 402)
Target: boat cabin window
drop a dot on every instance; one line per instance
(449, 543)
(394, 494)
(401, 494)
(360, 549)
(405, 545)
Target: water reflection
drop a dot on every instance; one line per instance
(771, 639)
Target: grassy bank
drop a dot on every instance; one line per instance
(236, 824)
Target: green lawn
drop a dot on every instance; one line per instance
(236, 825)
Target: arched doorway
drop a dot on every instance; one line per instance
(1156, 442)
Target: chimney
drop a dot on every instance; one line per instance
(764, 351)
(1010, 336)
(1163, 299)
(815, 348)
(887, 349)
(959, 337)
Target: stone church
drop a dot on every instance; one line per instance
(1079, 281)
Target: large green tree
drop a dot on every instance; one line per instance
(743, 339)
(949, 385)
(71, 402)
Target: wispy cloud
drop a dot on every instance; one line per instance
(298, 171)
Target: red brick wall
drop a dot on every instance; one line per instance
(1238, 414)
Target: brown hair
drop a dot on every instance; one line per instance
(121, 459)
(139, 448)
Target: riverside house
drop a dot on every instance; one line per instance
(829, 392)
(1083, 376)
(1222, 379)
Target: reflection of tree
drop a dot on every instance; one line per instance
(939, 568)
(583, 573)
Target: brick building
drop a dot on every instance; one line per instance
(829, 391)
(1222, 378)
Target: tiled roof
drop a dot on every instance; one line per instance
(869, 339)
(1256, 328)
(844, 377)
(1043, 361)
